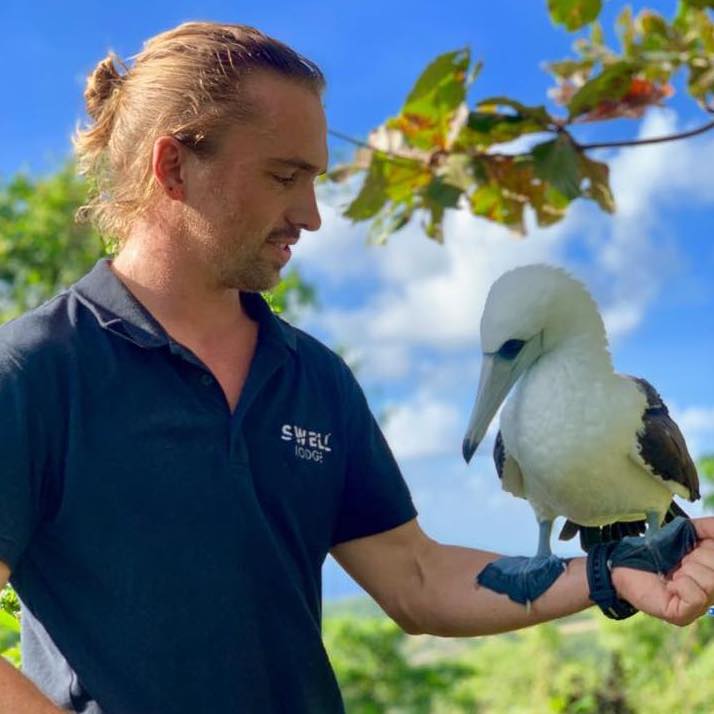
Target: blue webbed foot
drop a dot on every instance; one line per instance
(522, 579)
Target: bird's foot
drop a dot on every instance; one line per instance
(659, 551)
(522, 579)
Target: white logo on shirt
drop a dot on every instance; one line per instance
(309, 445)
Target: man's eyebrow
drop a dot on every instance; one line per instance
(300, 164)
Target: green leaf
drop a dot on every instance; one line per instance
(486, 128)
(597, 37)
(549, 206)
(699, 3)
(458, 170)
(402, 179)
(442, 193)
(537, 113)
(434, 226)
(626, 29)
(372, 195)
(441, 87)
(657, 35)
(557, 162)
(598, 175)
(573, 14)
(610, 85)
(565, 69)
(389, 222)
(437, 197)
(490, 201)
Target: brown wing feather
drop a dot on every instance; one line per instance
(508, 469)
(662, 445)
(499, 454)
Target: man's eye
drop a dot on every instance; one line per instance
(285, 180)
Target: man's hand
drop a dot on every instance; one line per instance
(685, 594)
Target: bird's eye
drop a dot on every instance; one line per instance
(511, 348)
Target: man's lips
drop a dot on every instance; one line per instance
(282, 247)
(284, 241)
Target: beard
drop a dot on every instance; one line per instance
(248, 267)
(240, 256)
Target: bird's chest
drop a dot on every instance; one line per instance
(571, 432)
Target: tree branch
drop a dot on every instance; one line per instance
(582, 147)
(414, 159)
(641, 142)
(365, 145)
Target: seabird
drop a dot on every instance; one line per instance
(576, 439)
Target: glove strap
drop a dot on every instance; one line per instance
(602, 593)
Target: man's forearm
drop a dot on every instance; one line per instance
(18, 695)
(450, 604)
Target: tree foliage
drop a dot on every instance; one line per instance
(438, 153)
(42, 249)
(588, 665)
(705, 467)
(376, 676)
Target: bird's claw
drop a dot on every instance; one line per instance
(522, 579)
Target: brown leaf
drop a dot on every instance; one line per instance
(641, 94)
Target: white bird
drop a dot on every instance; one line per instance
(576, 439)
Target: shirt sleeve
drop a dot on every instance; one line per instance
(375, 497)
(21, 457)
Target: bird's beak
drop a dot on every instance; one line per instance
(498, 375)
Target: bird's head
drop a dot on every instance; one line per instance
(529, 311)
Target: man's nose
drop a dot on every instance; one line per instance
(305, 213)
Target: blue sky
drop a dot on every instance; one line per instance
(409, 312)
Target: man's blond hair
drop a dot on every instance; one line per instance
(185, 83)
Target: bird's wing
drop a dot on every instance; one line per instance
(661, 448)
(508, 469)
(662, 451)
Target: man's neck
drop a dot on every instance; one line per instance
(184, 301)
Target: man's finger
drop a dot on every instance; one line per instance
(706, 543)
(701, 574)
(690, 592)
(704, 527)
(703, 556)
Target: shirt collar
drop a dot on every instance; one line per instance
(117, 310)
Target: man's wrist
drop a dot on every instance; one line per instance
(600, 582)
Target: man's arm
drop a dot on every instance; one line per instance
(17, 693)
(427, 587)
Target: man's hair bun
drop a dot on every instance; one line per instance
(101, 84)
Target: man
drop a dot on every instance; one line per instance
(178, 462)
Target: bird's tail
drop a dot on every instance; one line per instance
(592, 535)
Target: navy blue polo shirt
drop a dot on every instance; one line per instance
(167, 551)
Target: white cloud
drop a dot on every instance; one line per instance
(423, 426)
(429, 295)
(634, 255)
(337, 252)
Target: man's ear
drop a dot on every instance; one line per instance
(167, 163)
